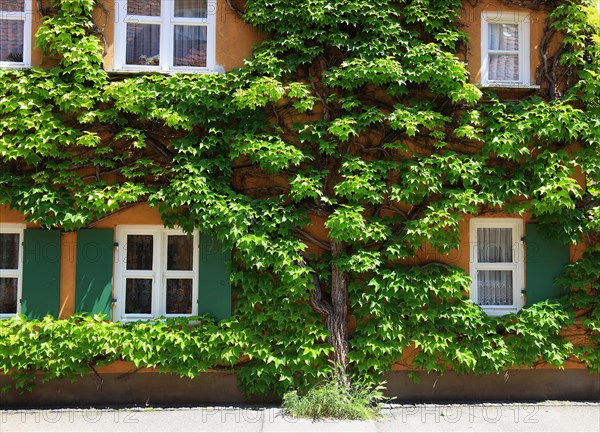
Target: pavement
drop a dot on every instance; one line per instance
(550, 416)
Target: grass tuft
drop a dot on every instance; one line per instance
(334, 399)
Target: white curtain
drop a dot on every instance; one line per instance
(12, 5)
(143, 44)
(503, 66)
(191, 8)
(148, 8)
(11, 40)
(494, 245)
(189, 46)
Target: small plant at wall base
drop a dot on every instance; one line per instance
(335, 399)
(361, 119)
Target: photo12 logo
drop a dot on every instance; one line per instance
(72, 416)
(452, 414)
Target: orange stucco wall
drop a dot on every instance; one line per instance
(8, 215)
(235, 38)
(68, 254)
(36, 21)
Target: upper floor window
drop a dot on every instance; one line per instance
(505, 49)
(11, 269)
(15, 33)
(497, 263)
(165, 35)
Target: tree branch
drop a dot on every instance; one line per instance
(317, 301)
(312, 240)
(239, 12)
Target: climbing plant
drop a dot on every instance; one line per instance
(356, 117)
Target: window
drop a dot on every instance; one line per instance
(15, 33)
(11, 269)
(497, 282)
(505, 49)
(156, 274)
(167, 35)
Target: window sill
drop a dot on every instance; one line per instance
(7, 65)
(160, 319)
(147, 71)
(508, 86)
(495, 312)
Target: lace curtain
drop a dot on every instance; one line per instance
(495, 287)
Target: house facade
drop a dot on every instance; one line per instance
(128, 266)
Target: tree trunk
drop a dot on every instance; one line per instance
(337, 321)
(335, 312)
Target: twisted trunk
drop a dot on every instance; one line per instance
(335, 312)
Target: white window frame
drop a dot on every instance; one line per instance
(167, 20)
(523, 20)
(14, 273)
(159, 273)
(24, 16)
(517, 265)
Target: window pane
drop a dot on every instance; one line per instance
(190, 8)
(503, 67)
(189, 46)
(179, 296)
(494, 245)
(143, 44)
(9, 251)
(12, 5)
(140, 249)
(11, 41)
(149, 8)
(138, 296)
(494, 288)
(180, 253)
(8, 295)
(504, 37)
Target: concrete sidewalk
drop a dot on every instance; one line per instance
(492, 417)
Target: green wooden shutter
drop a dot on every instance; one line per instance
(544, 261)
(214, 288)
(94, 277)
(41, 273)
